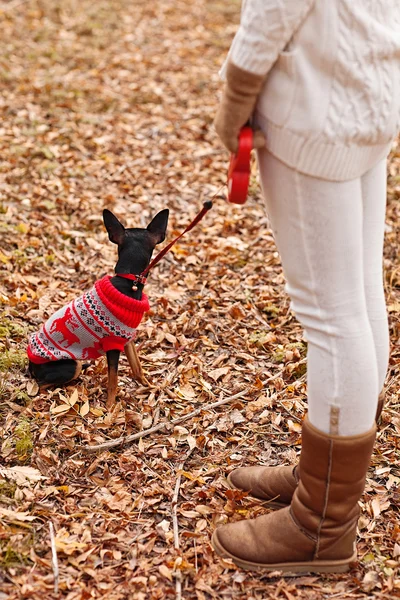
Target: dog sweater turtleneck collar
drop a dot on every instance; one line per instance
(101, 319)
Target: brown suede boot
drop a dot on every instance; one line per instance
(317, 532)
(275, 485)
(237, 106)
(381, 402)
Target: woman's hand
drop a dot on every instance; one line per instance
(237, 106)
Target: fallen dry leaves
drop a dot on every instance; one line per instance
(110, 103)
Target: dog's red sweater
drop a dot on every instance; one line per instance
(100, 320)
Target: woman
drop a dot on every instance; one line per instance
(321, 81)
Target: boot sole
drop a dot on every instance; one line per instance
(314, 566)
(267, 503)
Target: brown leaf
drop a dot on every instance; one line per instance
(121, 500)
(32, 388)
(218, 373)
(165, 572)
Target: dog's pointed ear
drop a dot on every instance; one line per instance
(158, 226)
(116, 231)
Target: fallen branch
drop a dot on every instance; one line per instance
(54, 558)
(164, 425)
(174, 503)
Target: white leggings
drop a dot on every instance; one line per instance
(330, 238)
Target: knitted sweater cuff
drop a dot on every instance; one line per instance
(128, 310)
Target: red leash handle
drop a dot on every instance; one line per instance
(206, 207)
(239, 168)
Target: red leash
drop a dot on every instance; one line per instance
(239, 168)
(142, 277)
(238, 184)
(206, 207)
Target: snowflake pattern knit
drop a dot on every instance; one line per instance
(101, 319)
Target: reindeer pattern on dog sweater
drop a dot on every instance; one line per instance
(102, 319)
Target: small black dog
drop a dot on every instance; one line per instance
(104, 319)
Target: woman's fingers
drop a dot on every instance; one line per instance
(259, 139)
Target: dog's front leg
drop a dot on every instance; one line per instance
(112, 364)
(134, 363)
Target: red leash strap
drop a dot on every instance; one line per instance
(206, 207)
(239, 168)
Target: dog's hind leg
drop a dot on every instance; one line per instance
(57, 372)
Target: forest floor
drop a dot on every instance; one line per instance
(110, 104)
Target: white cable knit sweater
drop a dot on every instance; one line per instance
(330, 106)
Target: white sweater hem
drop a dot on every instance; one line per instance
(319, 158)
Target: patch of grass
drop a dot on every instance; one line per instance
(50, 258)
(280, 353)
(271, 310)
(13, 359)
(259, 338)
(10, 328)
(300, 346)
(10, 556)
(254, 186)
(299, 371)
(4, 392)
(19, 258)
(23, 439)
(22, 397)
(7, 489)
(240, 263)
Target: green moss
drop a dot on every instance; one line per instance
(280, 353)
(259, 338)
(254, 186)
(21, 396)
(271, 311)
(10, 328)
(50, 258)
(7, 489)
(299, 371)
(19, 258)
(23, 439)
(240, 263)
(11, 557)
(4, 331)
(300, 346)
(12, 359)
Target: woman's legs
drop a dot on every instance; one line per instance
(277, 484)
(334, 282)
(319, 228)
(373, 186)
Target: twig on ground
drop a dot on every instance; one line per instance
(164, 425)
(156, 417)
(54, 558)
(196, 565)
(175, 524)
